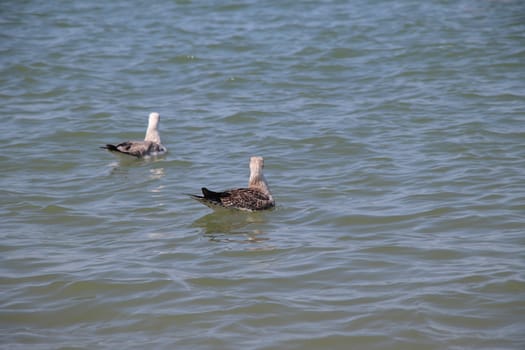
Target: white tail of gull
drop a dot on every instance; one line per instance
(151, 146)
(256, 196)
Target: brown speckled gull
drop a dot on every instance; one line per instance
(256, 196)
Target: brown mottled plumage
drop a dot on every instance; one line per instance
(256, 197)
(151, 146)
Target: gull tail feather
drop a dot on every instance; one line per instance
(210, 198)
(110, 147)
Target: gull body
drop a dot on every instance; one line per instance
(151, 146)
(256, 196)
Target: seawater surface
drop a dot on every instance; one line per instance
(394, 142)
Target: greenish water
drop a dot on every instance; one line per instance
(394, 142)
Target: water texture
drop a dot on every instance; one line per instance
(394, 142)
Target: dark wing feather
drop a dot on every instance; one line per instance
(209, 198)
(240, 198)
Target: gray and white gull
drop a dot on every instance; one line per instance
(256, 196)
(151, 146)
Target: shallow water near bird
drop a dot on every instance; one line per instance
(393, 136)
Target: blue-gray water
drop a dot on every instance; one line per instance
(394, 141)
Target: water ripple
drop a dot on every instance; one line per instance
(393, 143)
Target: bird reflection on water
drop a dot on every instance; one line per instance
(124, 164)
(227, 225)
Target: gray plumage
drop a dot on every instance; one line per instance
(137, 149)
